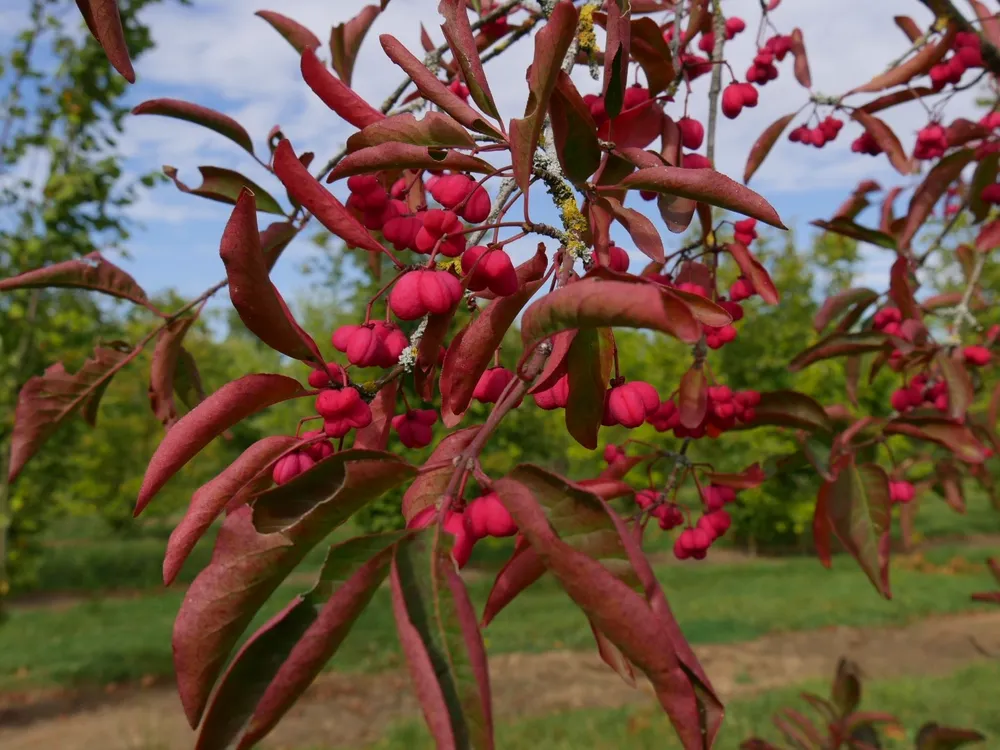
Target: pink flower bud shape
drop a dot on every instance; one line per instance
(630, 404)
(491, 517)
(472, 261)
(402, 232)
(555, 397)
(477, 208)
(414, 427)
(734, 26)
(342, 411)
(732, 101)
(451, 189)
(692, 133)
(365, 349)
(404, 299)
(492, 384)
(501, 277)
(320, 449)
(619, 260)
(459, 89)
(461, 550)
(438, 224)
(288, 467)
(750, 96)
(394, 341)
(977, 356)
(332, 376)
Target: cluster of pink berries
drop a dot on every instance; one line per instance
(485, 516)
(763, 68)
(819, 136)
(932, 142)
(966, 53)
(291, 465)
(866, 144)
(706, 43)
(375, 344)
(724, 410)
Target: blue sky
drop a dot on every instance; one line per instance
(217, 53)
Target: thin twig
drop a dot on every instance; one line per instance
(719, 32)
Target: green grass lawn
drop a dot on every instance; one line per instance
(114, 639)
(965, 699)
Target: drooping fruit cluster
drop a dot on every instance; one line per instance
(629, 404)
(866, 144)
(966, 53)
(375, 344)
(724, 411)
(932, 142)
(818, 136)
(482, 517)
(763, 68)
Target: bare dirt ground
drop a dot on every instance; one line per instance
(352, 710)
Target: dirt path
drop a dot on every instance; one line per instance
(353, 710)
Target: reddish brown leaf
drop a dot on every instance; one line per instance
(692, 398)
(848, 228)
(988, 22)
(335, 94)
(900, 290)
(763, 145)
(886, 101)
(935, 737)
(839, 345)
(91, 271)
(471, 351)
(555, 363)
(822, 530)
(908, 27)
(574, 131)
(838, 303)
(225, 186)
(705, 185)
(594, 303)
(105, 24)
(432, 89)
(988, 238)
(346, 39)
(432, 130)
(918, 65)
(985, 174)
(428, 488)
(801, 68)
(275, 239)
(226, 407)
(330, 212)
(405, 156)
(376, 435)
(295, 34)
(886, 139)
(791, 409)
(207, 118)
(588, 363)
(246, 475)
(642, 231)
(163, 367)
(46, 401)
(753, 270)
(750, 477)
(929, 192)
(256, 299)
(612, 656)
(551, 44)
(957, 438)
(960, 388)
(616, 55)
(648, 48)
(458, 33)
(522, 570)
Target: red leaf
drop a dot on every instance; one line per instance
(574, 131)
(985, 174)
(642, 231)
(836, 304)
(356, 568)
(802, 74)
(886, 139)
(750, 477)
(908, 27)
(106, 25)
(46, 401)
(320, 202)
(918, 65)
(345, 41)
(91, 271)
(763, 145)
(953, 436)
(225, 186)
(988, 238)
(226, 407)
(238, 480)
(458, 33)
(551, 44)
(295, 34)
(692, 398)
(275, 239)
(606, 488)
(988, 21)
(522, 570)
(704, 185)
(612, 656)
(163, 367)
(960, 389)
(935, 737)
(839, 345)
(791, 409)
(595, 303)
(588, 364)
(555, 363)
(376, 435)
(753, 270)
(900, 290)
(207, 118)
(616, 55)
(335, 94)
(648, 48)
(429, 486)
(247, 567)
(254, 296)
(433, 129)
(472, 349)
(822, 529)
(896, 97)
(432, 89)
(929, 192)
(405, 156)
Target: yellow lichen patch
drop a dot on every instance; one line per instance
(447, 264)
(576, 226)
(586, 38)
